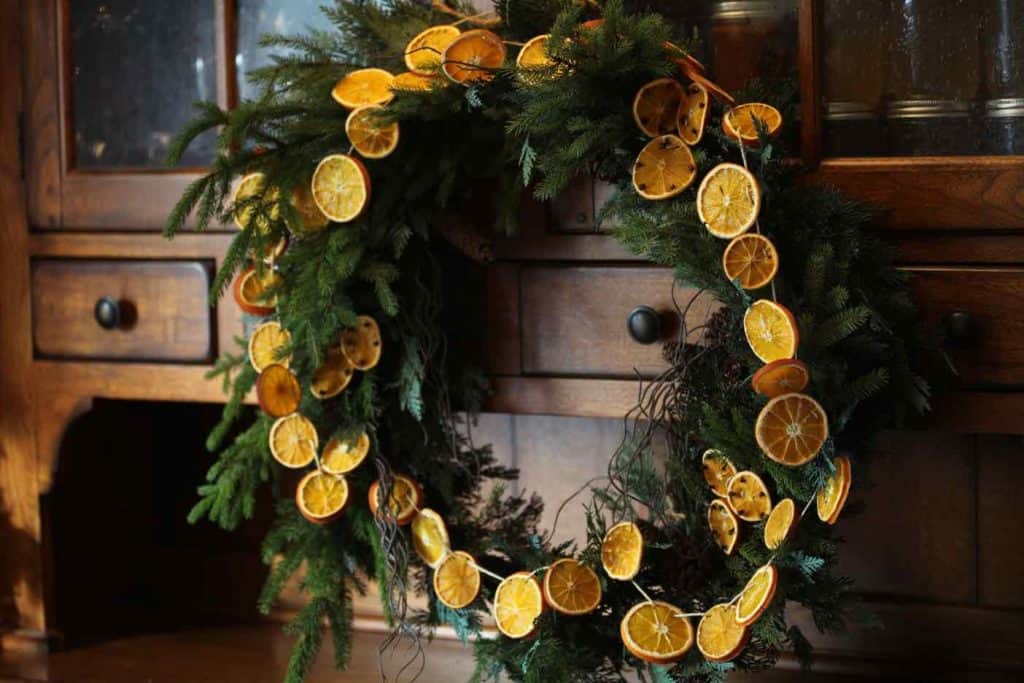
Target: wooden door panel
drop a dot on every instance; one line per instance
(1000, 518)
(574, 319)
(164, 312)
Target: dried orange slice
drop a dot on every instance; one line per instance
(791, 429)
(250, 291)
(728, 200)
(534, 54)
(250, 186)
(293, 441)
(771, 330)
(720, 637)
(748, 497)
(832, 497)
(473, 56)
(738, 123)
(571, 587)
(321, 497)
(457, 580)
(278, 391)
(430, 537)
(361, 344)
(718, 470)
(656, 632)
(781, 523)
(724, 525)
(752, 260)
(331, 378)
(783, 376)
(656, 106)
(267, 345)
(693, 112)
(757, 595)
(311, 218)
(622, 551)
(368, 135)
(664, 168)
(362, 87)
(409, 81)
(341, 187)
(405, 499)
(341, 457)
(423, 53)
(518, 601)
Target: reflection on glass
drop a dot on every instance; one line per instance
(136, 69)
(259, 17)
(923, 77)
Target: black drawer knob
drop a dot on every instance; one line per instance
(107, 313)
(961, 330)
(644, 325)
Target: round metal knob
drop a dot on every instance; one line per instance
(961, 329)
(107, 313)
(644, 325)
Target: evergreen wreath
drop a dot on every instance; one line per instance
(335, 281)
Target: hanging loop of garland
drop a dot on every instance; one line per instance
(370, 142)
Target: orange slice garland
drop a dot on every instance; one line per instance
(321, 497)
(725, 528)
(748, 497)
(405, 499)
(783, 376)
(739, 122)
(413, 82)
(361, 344)
(534, 53)
(518, 601)
(250, 291)
(781, 523)
(267, 345)
(656, 632)
(457, 580)
(718, 470)
(277, 391)
(362, 87)
(423, 53)
(757, 595)
(771, 330)
(791, 429)
(728, 200)
(832, 498)
(693, 112)
(371, 138)
(473, 56)
(720, 637)
(430, 537)
(622, 551)
(664, 168)
(751, 260)
(342, 457)
(656, 106)
(293, 441)
(341, 187)
(333, 376)
(571, 587)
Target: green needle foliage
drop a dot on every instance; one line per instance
(472, 152)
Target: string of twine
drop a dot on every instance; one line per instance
(757, 219)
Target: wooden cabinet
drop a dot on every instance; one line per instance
(99, 88)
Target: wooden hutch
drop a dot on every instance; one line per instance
(918, 109)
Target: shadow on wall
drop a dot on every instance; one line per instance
(18, 550)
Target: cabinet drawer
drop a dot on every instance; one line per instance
(162, 306)
(573, 320)
(992, 298)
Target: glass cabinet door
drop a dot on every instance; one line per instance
(922, 77)
(135, 69)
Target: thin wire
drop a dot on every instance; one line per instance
(488, 572)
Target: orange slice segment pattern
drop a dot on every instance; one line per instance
(457, 580)
(791, 429)
(473, 56)
(371, 138)
(571, 587)
(277, 391)
(751, 259)
(664, 168)
(832, 498)
(728, 200)
(342, 457)
(757, 595)
(771, 331)
(430, 537)
(362, 87)
(534, 54)
(784, 376)
(781, 523)
(748, 497)
(739, 122)
(293, 441)
(341, 187)
(321, 497)
(622, 551)
(720, 637)
(656, 632)
(267, 345)
(423, 53)
(405, 499)
(656, 106)
(725, 528)
(518, 601)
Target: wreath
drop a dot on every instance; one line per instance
(344, 179)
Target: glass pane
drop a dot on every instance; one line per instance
(258, 17)
(923, 77)
(137, 67)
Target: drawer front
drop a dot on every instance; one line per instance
(162, 305)
(993, 298)
(573, 320)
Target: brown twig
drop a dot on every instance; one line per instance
(475, 19)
